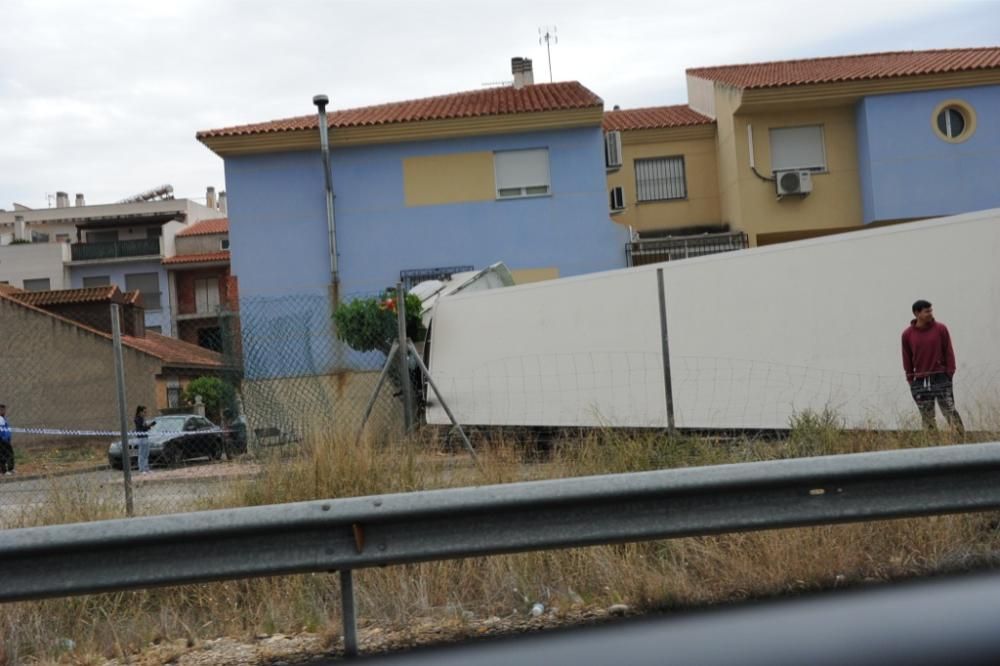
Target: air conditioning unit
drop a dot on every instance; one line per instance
(613, 149)
(617, 198)
(793, 182)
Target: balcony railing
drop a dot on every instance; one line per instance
(141, 247)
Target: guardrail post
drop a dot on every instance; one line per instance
(347, 610)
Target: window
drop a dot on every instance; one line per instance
(660, 178)
(210, 338)
(522, 173)
(954, 121)
(39, 237)
(96, 281)
(224, 243)
(149, 285)
(173, 392)
(617, 198)
(798, 148)
(154, 232)
(38, 284)
(206, 295)
(155, 329)
(613, 149)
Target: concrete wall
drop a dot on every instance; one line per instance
(756, 336)
(33, 261)
(57, 375)
(199, 244)
(117, 272)
(701, 206)
(909, 171)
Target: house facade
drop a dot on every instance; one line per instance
(459, 181)
(202, 290)
(809, 147)
(81, 246)
(72, 384)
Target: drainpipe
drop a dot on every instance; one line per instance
(321, 101)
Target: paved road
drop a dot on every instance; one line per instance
(164, 491)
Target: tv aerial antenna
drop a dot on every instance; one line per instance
(547, 34)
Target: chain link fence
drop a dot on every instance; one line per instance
(244, 391)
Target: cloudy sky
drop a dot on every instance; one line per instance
(104, 97)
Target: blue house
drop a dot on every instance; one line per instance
(421, 188)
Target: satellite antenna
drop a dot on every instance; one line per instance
(547, 34)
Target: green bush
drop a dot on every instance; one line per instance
(215, 394)
(368, 324)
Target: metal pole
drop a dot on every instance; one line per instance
(444, 405)
(331, 225)
(668, 388)
(404, 367)
(378, 387)
(350, 616)
(116, 338)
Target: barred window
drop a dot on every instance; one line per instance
(660, 178)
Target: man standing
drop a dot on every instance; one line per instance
(6, 448)
(929, 364)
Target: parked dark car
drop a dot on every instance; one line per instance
(172, 440)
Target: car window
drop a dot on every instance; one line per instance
(191, 424)
(168, 424)
(204, 423)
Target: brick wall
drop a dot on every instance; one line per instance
(186, 303)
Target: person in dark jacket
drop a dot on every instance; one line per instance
(929, 364)
(141, 430)
(6, 447)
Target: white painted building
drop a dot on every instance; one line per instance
(84, 246)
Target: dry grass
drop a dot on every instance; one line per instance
(651, 576)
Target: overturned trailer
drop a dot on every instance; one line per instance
(753, 337)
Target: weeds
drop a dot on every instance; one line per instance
(652, 576)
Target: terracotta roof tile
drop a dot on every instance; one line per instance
(206, 227)
(173, 351)
(197, 258)
(109, 293)
(470, 104)
(169, 350)
(862, 67)
(654, 117)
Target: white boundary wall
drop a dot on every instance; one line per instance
(756, 336)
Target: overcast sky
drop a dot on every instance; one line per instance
(104, 97)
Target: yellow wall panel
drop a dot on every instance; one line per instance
(526, 275)
(701, 172)
(454, 178)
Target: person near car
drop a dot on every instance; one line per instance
(929, 364)
(142, 434)
(6, 444)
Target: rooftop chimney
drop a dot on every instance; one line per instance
(523, 74)
(223, 203)
(62, 200)
(210, 197)
(79, 200)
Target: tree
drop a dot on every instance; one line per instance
(368, 324)
(215, 394)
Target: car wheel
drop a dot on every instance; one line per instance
(173, 455)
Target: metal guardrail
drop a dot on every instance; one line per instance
(353, 533)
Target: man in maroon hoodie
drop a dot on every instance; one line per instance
(929, 364)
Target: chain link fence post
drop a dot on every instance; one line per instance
(116, 336)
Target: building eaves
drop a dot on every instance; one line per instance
(861, 67)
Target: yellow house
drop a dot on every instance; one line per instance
(785, 150)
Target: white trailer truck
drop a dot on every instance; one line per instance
(754, 337)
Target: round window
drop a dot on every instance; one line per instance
(954, 121)
(951, 122)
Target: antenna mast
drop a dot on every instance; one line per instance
(547, 34)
